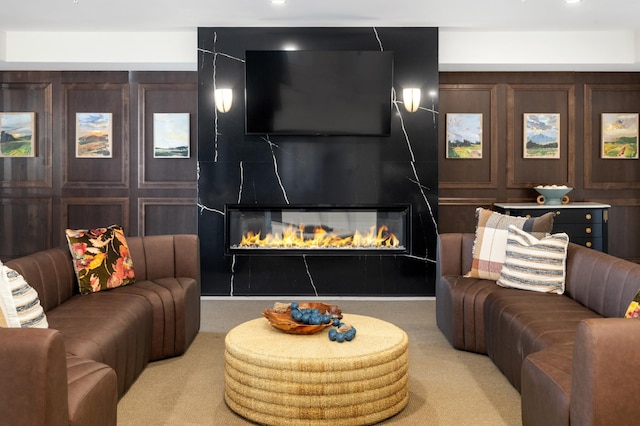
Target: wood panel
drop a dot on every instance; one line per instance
(459, 214)
(26, 226)
(166, 98)
(602, 173)
(540, 98)
(623, 221)
(96, 172)
(36, 171)
(89, 213)
(159, 216)
(470, 173)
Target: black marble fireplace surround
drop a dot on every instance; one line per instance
(286, 171)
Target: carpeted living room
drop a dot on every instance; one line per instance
(446, 386)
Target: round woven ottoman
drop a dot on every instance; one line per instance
(275, 378)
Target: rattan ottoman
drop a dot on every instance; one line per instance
(275, 378)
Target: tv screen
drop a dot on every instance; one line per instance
(307, 92)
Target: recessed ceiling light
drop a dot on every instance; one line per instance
(278, 1)
(572, 1)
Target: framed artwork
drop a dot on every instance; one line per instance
(541, 136)
(171, 135)
(94, 135)
(619, 136)
(17, 134)
(464, 136)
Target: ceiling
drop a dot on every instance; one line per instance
(180, 15)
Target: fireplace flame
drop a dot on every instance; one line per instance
(295, 239)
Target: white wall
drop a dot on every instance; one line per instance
(460, 50)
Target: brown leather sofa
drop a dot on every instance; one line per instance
(74, 372)
(573, 357)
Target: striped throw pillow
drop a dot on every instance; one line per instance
(19, 303)
(534, 264)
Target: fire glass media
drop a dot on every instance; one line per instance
(276, 230)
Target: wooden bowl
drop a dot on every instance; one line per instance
(282, 320)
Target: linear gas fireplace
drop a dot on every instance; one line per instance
(290, 229)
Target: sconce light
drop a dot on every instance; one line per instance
(411, 99)
(223, 99)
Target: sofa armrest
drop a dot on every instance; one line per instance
(34, 377)
(605, 373)
(454, 255)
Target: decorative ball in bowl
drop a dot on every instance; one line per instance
(280, 317)
(552, 195)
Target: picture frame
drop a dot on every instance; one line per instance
(464, 136)
(171, 135)
(541, 135)
(619, 136)
(94, 135)
(17, 134)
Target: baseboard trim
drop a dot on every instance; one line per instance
(305, 298)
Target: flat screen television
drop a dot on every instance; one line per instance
(307, 92)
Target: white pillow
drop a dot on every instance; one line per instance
(533, 264)
(19, 303)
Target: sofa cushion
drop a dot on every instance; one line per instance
(101, 258)
(534, 264)
(93, 392)
(491, 239)
(110, 327)
(460, 313)
(633, 311)
(174, 302)
(546, 386)
(19, 302)
(520, 322)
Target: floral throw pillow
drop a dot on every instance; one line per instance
(633, 311)
(101, 258)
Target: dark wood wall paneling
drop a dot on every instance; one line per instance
(43, 195)
(503, 175)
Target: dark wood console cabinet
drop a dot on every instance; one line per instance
(585, 223)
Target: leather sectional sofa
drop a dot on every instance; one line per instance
(96, 345)
(573, 357)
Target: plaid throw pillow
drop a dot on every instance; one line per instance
(491, 239)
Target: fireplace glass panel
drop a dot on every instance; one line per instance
(293, 229)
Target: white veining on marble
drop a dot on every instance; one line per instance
(275, 167)
(241, 182)
(203, 207)
(215, 110)
(423, 259)
(306, 265)
(412, 162)
(215, 54)
(233, 274)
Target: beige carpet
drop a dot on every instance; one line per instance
(446, 386)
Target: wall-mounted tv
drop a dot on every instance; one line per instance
(307, 92)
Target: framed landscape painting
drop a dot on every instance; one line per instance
(94, 135)
(171, 135)
(464, 136)
(541, 136)
(17, 134)
(619, 136)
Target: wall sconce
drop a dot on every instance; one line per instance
(411, 99)
(223, 99)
